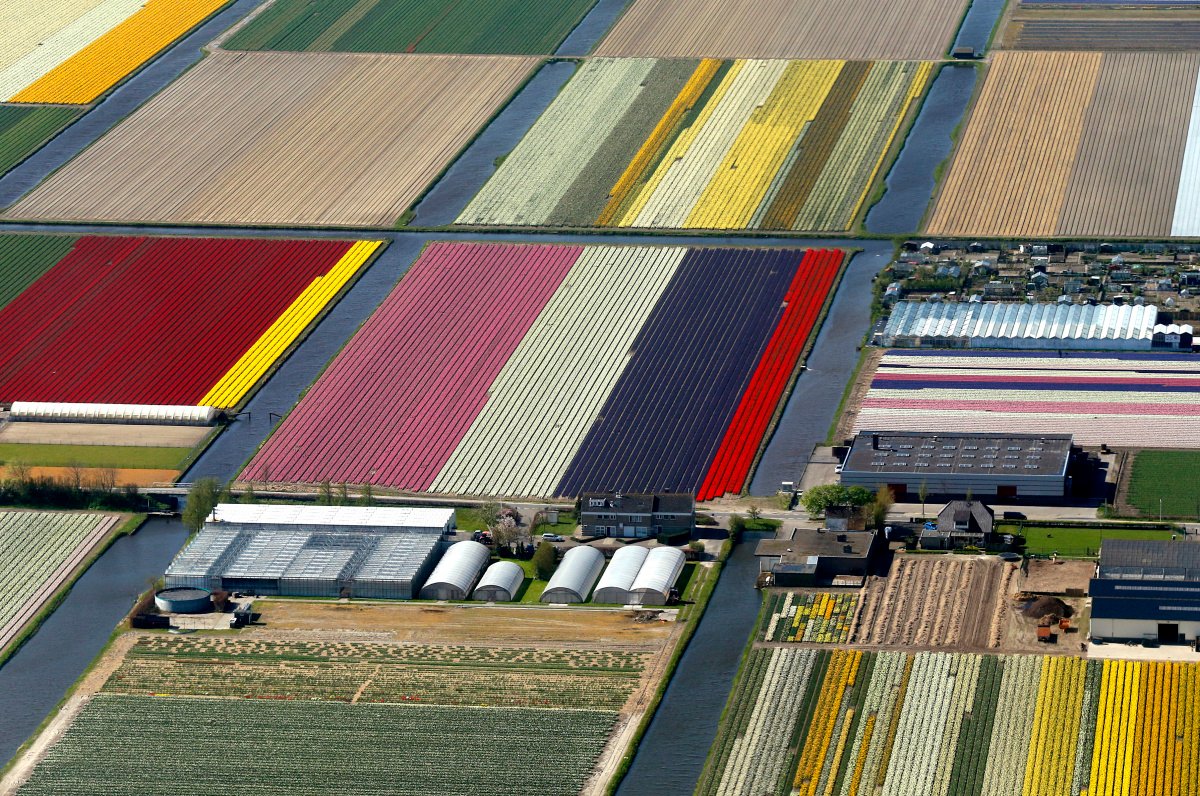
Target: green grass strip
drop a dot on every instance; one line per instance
(24, 128)
(24, 258)
(119, 456)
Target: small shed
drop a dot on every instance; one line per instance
(500, 583)
(573, 580)
(455, 574)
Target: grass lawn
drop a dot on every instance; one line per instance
(532, 588)
(1079, 542)
(1173, 477)
(468, 520)
(117, 456)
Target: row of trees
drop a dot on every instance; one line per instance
(79, 488)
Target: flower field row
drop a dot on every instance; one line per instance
(183, 321)
(38, 552)
(618, 367)
(745, 144)
(24, 128)
(407, 26)
(318, 748)
(822, 618)
(381, 673)
(78, 51)
(960, 724)
(1118, 398)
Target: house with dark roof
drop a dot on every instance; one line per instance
(626, 516)
(1146, 590)
(960, 523)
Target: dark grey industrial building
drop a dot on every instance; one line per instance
(637, 516)
(818, 557)
(1146, 590)
(1002, 466)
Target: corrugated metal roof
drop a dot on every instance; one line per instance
(1134, 559)
(406, 517)
(994, 324)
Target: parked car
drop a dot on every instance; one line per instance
(552, 537)
(1014, 515)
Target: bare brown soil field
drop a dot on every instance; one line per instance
(1056, 577)
(1010, 174)
(266, 138)
(862, 385)
(1127, 168)
(124, 477)
(462, 624)
(857, 29)
(933, 601)
(97, 434)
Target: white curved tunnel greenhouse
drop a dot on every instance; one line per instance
(573, 580)
(500, 583)
(617, 581)
(455, 574)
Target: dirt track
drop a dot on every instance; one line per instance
(942, 601)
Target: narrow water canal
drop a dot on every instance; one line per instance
(671, 755)
(911, 182)
(35, 679)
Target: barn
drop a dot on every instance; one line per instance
(1146, 590)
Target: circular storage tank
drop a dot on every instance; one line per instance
(500, 583)
(617, 580)
(575, 576)
(455, 574)
(183, 600)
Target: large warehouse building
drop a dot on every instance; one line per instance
(1003, 466)
(1146, 590)
(313, 551)
(1051, 327)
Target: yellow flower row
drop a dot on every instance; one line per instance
(839, 676)
(250, 368)
(106, 61)
(1055, 726)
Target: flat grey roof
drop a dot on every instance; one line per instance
(942, 454)
(807, 542)
(1149, 559)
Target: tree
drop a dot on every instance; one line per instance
(545, 560)
(505, 532)
(105, 480)
(923, 493)
(488, 513)
(754, 513)
(201, 500)
(881, 505)
(820, 498)
(325, 494)
(75, 474)
(366, 497)
(248, 494)
(343, 496)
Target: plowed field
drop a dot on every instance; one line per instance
(1077, 144)
(859, 29)
(322, 139)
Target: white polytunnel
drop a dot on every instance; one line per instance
(143, 414)
(500, 583)
(617, 581)
(455, 574)
(575, 576)
(657, 576)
